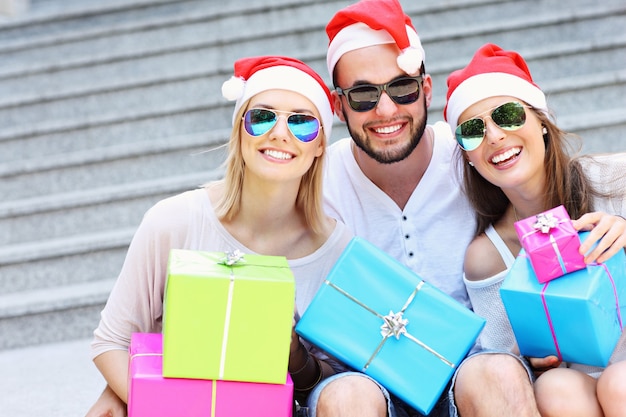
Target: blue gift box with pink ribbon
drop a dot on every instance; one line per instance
(379, 317)
(578, 317)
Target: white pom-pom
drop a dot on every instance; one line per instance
(232, 88)
(410, 60)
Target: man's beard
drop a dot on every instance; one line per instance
(389, 157)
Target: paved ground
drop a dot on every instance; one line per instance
(53, 380)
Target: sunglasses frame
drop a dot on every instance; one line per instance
(278, 114)
(488, 114)
(380, 88)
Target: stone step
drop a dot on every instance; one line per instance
(56, 314)
(90, 210)
(166, 97)
(600, 131)
(63, 260)
(257, 21)
(94, 237)
(107, 172)
(528, 25)
(40, 142)
(52, 22)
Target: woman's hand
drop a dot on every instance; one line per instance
(107, 405)
(608, 230)
(541, 365)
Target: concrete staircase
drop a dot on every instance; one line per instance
(108, 106)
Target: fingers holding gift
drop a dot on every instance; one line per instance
(607, 230)
(541, 365)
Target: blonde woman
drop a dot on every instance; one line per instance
(269, 202)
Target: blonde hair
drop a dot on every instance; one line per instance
(309, 199)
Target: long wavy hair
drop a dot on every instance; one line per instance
(566, 183)
(309, 199)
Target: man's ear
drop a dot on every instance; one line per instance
(338, 105)
(427, 87)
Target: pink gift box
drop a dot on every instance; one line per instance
(551, 243)
(152, 395)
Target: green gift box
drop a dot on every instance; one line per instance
(227, 316)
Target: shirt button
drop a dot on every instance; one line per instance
(411, 254)
(406, 236)
(404, 218)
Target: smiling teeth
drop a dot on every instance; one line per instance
(277, 154)
(388, 129)
(506, 155)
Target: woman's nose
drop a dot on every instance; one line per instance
(493, 132)
(281, 129)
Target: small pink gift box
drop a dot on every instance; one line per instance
(551, 243)
(152, 395)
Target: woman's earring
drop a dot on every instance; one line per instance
(544, 130)
(470, 163)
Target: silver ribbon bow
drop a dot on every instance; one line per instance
(394, 325)
(232, 258)
(545, 222)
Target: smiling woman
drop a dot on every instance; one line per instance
(269, 203)
(518, 165)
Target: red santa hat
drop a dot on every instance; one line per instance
(374, 22)
(491, 72)
(257, 74)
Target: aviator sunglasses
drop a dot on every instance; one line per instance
(508, 116)
(305, 127)
(364, 97)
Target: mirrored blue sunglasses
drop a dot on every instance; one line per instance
(258, 121)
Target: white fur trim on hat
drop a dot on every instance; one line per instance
(291, 79)
(233, 88)
(485, 85)
(360, 35)
(410, 60)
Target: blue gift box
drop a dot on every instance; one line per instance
(379, 317)
(574, 317)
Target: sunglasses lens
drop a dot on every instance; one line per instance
(363, 98)
(404, 91)
(509, 116)
(257, 122)
(470, 133)
(304, 127)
